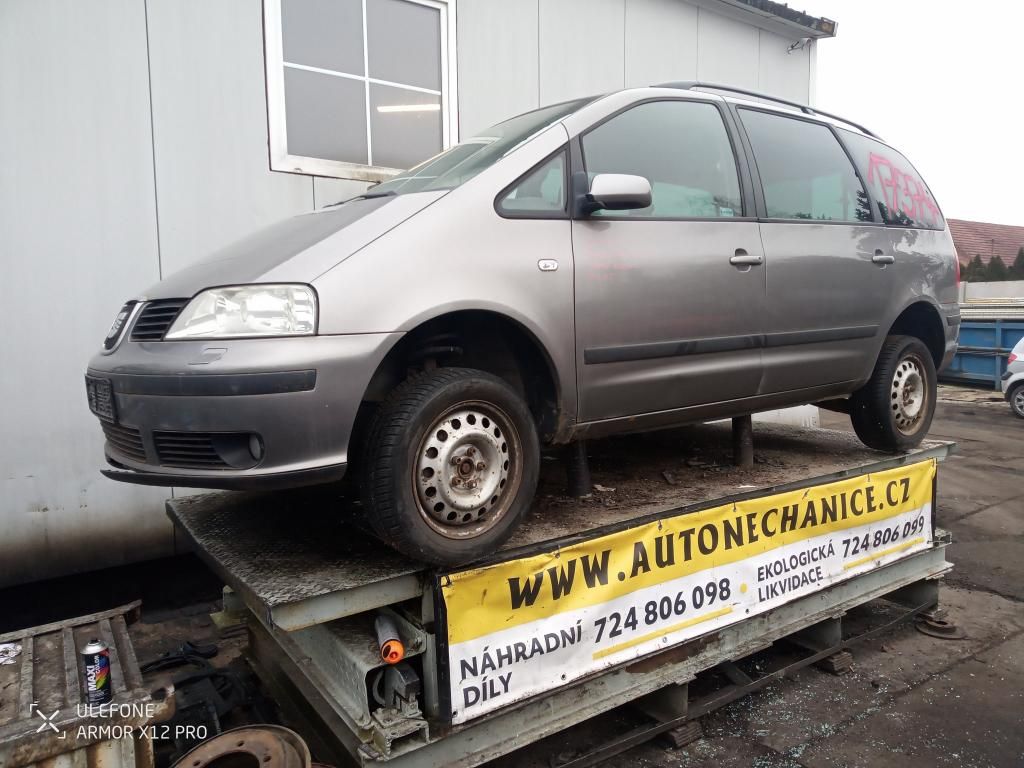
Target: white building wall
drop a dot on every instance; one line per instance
(77, 237)
(544, 51)
(498, 43)
(781, 73)
(661, 42)
(136, 143)
(213, 178)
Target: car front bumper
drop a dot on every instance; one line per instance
(184, 411)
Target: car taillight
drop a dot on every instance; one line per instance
(1011, 358)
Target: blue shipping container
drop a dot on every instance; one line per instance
(984, 347)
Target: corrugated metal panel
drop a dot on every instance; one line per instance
(779, 72)
(214, 183)
(498, 59)
(581, 48)
(728, 51)
(996, 312)
(78, 236)
(661, 42)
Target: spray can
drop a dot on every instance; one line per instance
(96, 664)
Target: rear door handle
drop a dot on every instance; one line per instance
(883, 258)
(744, 259)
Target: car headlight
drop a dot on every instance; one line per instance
(247, 310)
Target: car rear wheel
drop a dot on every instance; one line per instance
(1017, 401)
(450, 467)
(894, 410)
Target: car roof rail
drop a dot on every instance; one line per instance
(688, 85)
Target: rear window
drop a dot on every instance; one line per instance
(902, 196)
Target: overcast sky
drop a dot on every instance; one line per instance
(943, 82)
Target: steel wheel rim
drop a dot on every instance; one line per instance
(1018, 402)
(908, 394)
(467, 470)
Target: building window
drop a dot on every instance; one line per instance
(359, 89)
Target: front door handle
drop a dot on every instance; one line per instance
(744, 259)
(883, 258)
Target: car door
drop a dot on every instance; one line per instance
(828, 286)
(669, 298)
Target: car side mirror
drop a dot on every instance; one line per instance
(617, 192)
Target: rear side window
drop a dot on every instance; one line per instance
(805, 174)
(902, 196)
(681, 147)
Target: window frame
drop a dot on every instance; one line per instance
(579, 167)
(277, 129)
(566, 192)
(755, 172)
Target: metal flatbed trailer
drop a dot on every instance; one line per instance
(676, 565)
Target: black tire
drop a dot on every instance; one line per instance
(1016, 398)
(442, 442)
(881, 409)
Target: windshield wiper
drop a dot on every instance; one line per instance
(364, 196)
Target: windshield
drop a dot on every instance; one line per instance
(464, 161)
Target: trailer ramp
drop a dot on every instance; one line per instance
(596, 604)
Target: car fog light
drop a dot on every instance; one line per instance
(256, 447)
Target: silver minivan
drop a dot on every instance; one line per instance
(638, 260)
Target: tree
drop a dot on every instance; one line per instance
(1017, 268)
(974, 272)
(996, 270)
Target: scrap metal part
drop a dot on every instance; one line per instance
(270, 746)
(44, 716)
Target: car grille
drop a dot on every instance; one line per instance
(155, 318)
(188, 450)
(125, 440)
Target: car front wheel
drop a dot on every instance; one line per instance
(894, 410)
(451, 465)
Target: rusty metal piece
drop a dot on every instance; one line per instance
(742, 441)
(577, 467)
(940, 628)
(272, 746)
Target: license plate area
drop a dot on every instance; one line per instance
(101, 398)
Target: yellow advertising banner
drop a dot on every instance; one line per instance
(614, 597)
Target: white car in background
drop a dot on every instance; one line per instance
(1013, 380)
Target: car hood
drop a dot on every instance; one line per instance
(295, 250)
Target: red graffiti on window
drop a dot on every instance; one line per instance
(901, 191)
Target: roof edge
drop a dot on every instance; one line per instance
(778, 17)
